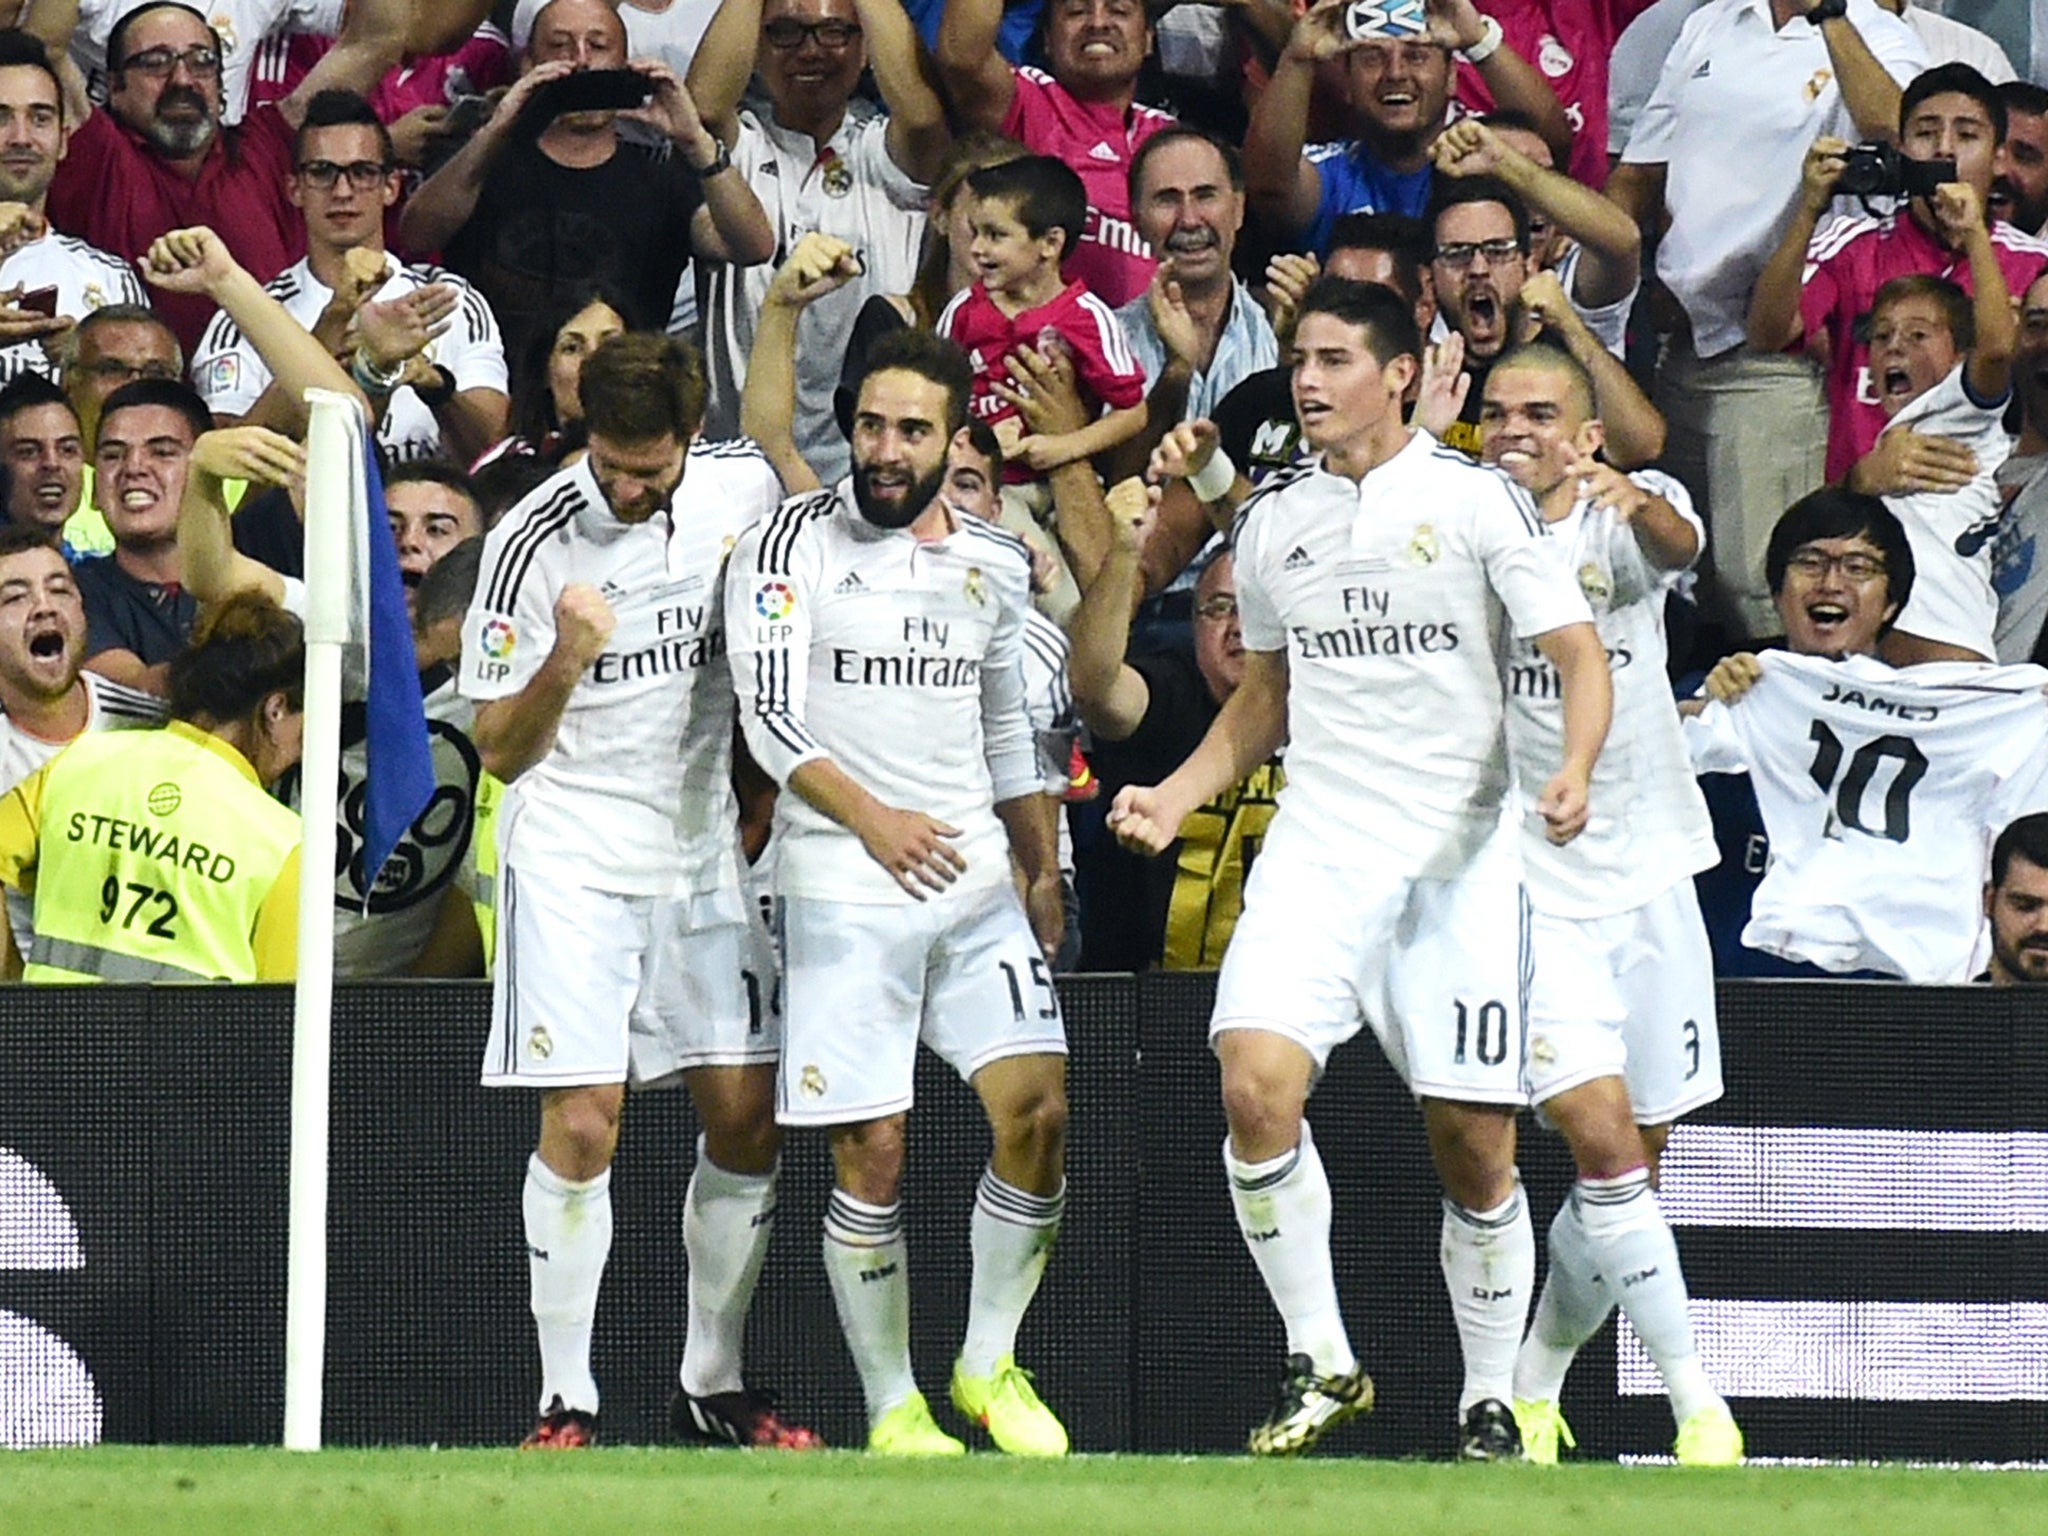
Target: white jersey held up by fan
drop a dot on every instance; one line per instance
(1881, 789)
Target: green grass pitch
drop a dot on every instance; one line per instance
(134, 1491)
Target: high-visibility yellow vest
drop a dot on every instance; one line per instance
(153, 856)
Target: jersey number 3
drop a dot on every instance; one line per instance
(1849, 788)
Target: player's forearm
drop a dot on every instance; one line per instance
(513, 734)
(1667, 540)
(827, 789)
(1034, 835)
(1588, 687)
(1245, 734)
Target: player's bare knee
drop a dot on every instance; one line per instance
(1473, 1146)
(579, 1130)
(1265, 1090)
(736, 1107)
(1595, 1121)
(749, 1146)
(867, 1160)
(1031, 1131)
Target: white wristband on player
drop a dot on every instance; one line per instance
(1489, 40)
(1212, 482)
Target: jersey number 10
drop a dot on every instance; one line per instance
(1848, 788)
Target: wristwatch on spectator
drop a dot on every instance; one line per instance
(437, 394)
(720, 161)
(1827, 10)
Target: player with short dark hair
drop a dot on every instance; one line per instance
(1374, 584)
(1620, 1014)
(877, 636)
(594, 647)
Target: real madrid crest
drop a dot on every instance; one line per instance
(1593, 582)
(838, 177)
(1422, 547)
(976, 587)
(811, 1083)
(540, 1045)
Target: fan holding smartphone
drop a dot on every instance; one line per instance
(549, 194)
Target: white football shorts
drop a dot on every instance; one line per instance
(1632, 996)
(1437, 967)
(593, 987)
(863, 984)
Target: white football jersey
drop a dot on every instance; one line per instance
(86, 278)
(1881, 790)
(231, 377)
(241, 25)
(1054, 724)
(901, 661)
(1394, 600)
(1648, 824)
(1951, 533)
(635, 796)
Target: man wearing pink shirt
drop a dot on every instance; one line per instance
(1816, 290)
(1569, 42)
(1084, 112)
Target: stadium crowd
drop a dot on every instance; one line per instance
(1423, 484)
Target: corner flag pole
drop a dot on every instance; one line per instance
(333, 463)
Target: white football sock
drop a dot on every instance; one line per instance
(568, 1238)
(1489, 1263)
(866, 1262)
(1574, 1303)
(1283, 1209)
(1011, 1234)
(727, 1221)
(1627, 1232)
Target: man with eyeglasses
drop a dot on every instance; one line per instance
(426, 340)
(158, 158)
(37, 260)
(1491, 294)
(1879, 786)
(819, 162)
(543, 200)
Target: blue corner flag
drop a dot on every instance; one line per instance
(399, 779)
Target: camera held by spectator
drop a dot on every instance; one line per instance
(1879, 170)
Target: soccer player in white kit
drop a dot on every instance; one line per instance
(1378, 587)
(877, 640)
(1622, 1029)
(594, 648)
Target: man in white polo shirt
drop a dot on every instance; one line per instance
(453, 400)
(817, 160)
(1748, 430)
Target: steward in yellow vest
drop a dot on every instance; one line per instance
(158, 855)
